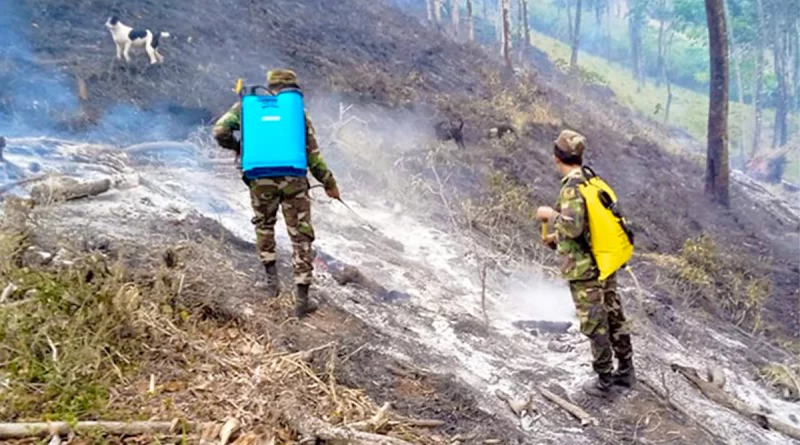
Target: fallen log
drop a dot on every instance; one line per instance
(67, 191)
(714, 393)
(576, 411)
(46, 429)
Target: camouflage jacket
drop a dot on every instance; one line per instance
(230, 122)
(571, 224)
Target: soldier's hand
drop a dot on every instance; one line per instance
(544, 213)
(550, 240)
(333, 192)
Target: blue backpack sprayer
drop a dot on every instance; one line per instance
(273, 128)
(273, 131)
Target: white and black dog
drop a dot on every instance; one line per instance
(126, 37)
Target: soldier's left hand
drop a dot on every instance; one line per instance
(544, 213)
(333, 192)
(551, 240)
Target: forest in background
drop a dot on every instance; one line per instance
(654, 55)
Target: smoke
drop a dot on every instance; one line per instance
(28, 93)
(531, 296)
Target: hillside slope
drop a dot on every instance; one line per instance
(403, 76)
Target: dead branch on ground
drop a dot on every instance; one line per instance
(714, 393)
(46, 429)
(314, 428)
(576, 411)
(45, 193)
(14, 184)
(7, 292)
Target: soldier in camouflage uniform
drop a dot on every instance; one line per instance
(288, 192)
(598, 306)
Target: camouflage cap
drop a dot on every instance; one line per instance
(281, 77)
(571, 143)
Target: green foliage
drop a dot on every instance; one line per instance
(706, 274)
(65, 339)
(587, 76)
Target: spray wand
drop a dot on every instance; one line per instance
(369, 226)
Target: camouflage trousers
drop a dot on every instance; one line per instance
(291, 194)
(603, 321)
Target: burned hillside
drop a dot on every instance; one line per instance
(377, 81)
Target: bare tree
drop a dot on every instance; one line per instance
(570, 31)
(526, 28)
(665, 73)
(498, 23)
(470, 22)
(735, 54)
(455, 17)
(506, 32)
(758, 96)
(780, 50)
(437, 10)
(576, 36)
(794, 39)
(636, 19)
(717, 174)
(429, 4)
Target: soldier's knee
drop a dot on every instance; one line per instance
(589, 325)
(306, 229)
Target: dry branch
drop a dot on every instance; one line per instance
(44, 193)
(714, 393)
(7, 292)
(311, 427)
(11, 185)
(46, 429)
(576, 411)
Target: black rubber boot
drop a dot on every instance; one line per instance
(600, 386)
(303, 304)
(273, 282)
(625, 375)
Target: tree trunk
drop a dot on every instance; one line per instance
(498, 24)
(576, 38)
(794, 38)
(734, 54)
(570, 32)
(526, 27)
(758, 99)
(635, 18)
(599, 7)
(660, 57)
(455, 17)
(506, 33)
(717, 176)
(780, 133)
(429, 5)
(470, 22)
(437, 10)
(665, 74)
